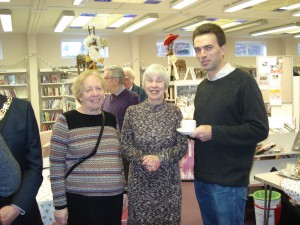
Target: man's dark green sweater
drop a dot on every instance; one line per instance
(234, 107)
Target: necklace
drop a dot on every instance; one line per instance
(5, 107)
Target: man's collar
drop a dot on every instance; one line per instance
(227, 69)
(122, 88)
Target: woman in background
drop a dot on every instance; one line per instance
(154, 148)
(93, 192)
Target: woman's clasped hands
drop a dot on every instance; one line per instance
(151, 163)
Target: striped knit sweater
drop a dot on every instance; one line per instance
(75, 135)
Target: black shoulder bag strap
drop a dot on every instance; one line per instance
(93, 152)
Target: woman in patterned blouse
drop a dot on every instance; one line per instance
(150, 142)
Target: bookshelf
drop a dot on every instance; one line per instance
(50, 97)
(14, 83)
(69, 102)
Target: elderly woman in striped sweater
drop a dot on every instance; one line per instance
(92, 192)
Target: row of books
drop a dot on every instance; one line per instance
(50, 78)
(68, 89)
(47, 127)
(10, 92)
(12, 79)
(69, 105)
(49, 117)
(52, 104)
(51, 91)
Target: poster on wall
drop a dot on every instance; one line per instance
(275, 97)
(269, 77)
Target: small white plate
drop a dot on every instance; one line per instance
(184, 132)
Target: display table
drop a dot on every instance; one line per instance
(44, 199)
(274, 180)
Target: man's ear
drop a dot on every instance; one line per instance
(223, 49)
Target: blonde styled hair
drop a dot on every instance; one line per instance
(77, 85)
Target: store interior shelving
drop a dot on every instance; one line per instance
(14, 82)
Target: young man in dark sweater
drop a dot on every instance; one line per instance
(231, 120)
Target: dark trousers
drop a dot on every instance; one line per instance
(106, 210)
(32, 217)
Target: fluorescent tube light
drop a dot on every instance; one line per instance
(296, 35)
(142, 22)
(290, 7)
(281, 29)
(246, 25)
(5, 16)
(4, 0)
(296, 13)
(185, 24)
(179, 4)
(79, 2)
(121, 21)
(232, 24)
(64, 20)
(241, 5)
(82, 20)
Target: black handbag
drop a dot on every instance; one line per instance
(82, 159)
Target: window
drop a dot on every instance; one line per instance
(70, 49)
(250, 48)
(180, 48)
(299, 49)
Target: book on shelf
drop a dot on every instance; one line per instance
(10, 92)
(22, 78)
(11, 79)
(45, 78)
(53, 78)
(47, 127)
(2, 79)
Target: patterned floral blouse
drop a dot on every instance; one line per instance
(153, 197)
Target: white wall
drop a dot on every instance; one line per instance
(135, 51)
(15, 51)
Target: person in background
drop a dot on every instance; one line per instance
(231, 119)
(119, 98)
(93, 192)
(21, 134)
(150, 142)
(130, 85)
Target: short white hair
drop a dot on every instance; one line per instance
(158, 70)
(128, 70)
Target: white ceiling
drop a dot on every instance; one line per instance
(35, 17)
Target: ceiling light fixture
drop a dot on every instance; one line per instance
(291, 7)
(82, 20)
(142, 22)
(281, 29)
(186, 23)
(241, 5)
(121, 21)
(179, 4)
(79, 2)
(296, 13)
(64, 20)
(296, 35)
(4, 0)
(246, 25)
(5, 16)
